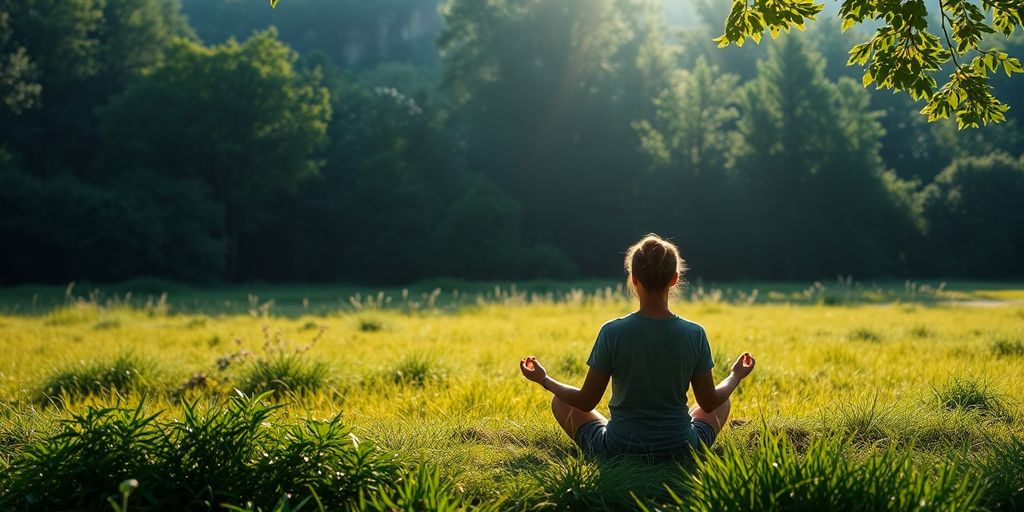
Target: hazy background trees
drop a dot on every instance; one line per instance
(390, 141)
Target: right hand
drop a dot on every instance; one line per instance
(743, 365)
(532, 370)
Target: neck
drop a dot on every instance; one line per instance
(654, 307)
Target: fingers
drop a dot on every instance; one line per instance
(528, 363)
(748, 360)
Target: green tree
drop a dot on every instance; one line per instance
(239, 117)
(19, 90)
(688, 142)
(908, 49)
(975, 226)
(60, 59)
(692, 121)
(818, 201)
(547, 91)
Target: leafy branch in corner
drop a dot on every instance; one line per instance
(903, 55)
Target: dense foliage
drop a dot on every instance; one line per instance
(534, 140)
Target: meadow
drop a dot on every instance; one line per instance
(154, 396)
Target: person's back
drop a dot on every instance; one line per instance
(651, 362)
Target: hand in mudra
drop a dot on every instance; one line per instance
(743, 365)
(532, 369)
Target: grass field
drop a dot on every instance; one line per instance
(893, 396)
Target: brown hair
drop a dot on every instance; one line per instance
(654, 261)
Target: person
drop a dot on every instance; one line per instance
(651, 356)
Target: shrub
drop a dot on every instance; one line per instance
(125, 373)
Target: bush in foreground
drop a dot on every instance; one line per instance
(233, 453)
(774, 476)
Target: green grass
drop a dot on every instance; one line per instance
(1006, 348)
(970, 394)
(826, 475)
(285, 374)
(418, 370)
(122, 374)
(865, 397)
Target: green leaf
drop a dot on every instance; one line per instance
(867, 78)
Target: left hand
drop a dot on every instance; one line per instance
(532, 369)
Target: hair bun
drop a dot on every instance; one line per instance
(654, 262)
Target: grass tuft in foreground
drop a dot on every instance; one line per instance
(230, 453)
(774, 476)
(1003, 475)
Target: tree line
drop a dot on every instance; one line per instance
(535, 140)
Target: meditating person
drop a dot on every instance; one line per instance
(652, 356)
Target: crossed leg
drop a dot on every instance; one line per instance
(571, 418)
(715, 418)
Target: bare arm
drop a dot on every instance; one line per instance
(584, 398)
(708, 396)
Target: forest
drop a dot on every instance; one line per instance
(390, 141)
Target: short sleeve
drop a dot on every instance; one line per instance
(704, 360)
(601, 356)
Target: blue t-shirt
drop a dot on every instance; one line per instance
(651, 362)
